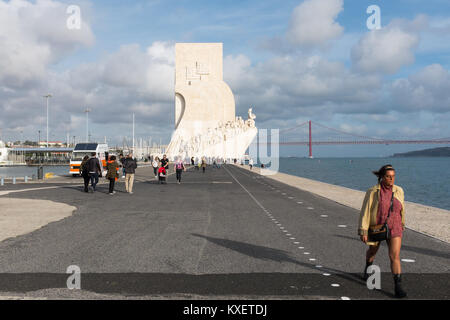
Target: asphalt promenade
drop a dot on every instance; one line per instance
(227, 233)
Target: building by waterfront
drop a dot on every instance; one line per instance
(3, 153)
(59, 144)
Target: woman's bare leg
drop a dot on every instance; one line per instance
(395, 245)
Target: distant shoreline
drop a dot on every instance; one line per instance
(433, 153)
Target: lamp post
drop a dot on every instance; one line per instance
(87, 123)
(133, 135)
(47, 96)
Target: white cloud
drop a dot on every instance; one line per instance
(131, 79)
(313, 23)
(33, 36)
(286, 86)
(429, 89)
(385, 50)
(388, 49)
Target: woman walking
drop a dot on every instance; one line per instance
(112, 175)
(155, 165)
(384, 203)
(203, 165)
(178, 168)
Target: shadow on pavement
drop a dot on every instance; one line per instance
(265, 253)
(424, 251)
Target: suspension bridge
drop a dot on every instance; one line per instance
(290, 137)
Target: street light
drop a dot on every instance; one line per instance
(87, 123)
(47, 96)
(133, 136)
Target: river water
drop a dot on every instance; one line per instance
(8, 172)
(424, 180)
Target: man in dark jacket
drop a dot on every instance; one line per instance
(130, 166)
(84, 171)
(94, 170)
(165, 163)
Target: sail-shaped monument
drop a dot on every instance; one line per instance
(205, 121)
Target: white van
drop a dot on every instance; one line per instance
(83, 149)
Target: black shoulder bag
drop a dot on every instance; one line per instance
(380, 232)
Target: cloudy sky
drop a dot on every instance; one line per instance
(292, 61)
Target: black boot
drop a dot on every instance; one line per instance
(399, 292)
(366, 275)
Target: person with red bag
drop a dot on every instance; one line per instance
(162, 174)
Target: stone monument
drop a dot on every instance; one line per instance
(205, 120)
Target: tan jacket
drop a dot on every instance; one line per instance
(369, 209)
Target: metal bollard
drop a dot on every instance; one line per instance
(14, 180)
(40, 173)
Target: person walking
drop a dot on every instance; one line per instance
(179, 168)
(197, 165)
(130, 166)
(250, 163)
(218, 163)
(165, 163)
(203, 165)
(162, 173)
(84, 172)
(192, 161)
(112, 173)
(384, 203)
(95, 170)
(155, 165)
(122, 159)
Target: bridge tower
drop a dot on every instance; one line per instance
(310, 141)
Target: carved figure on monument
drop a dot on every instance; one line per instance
(251, 118)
